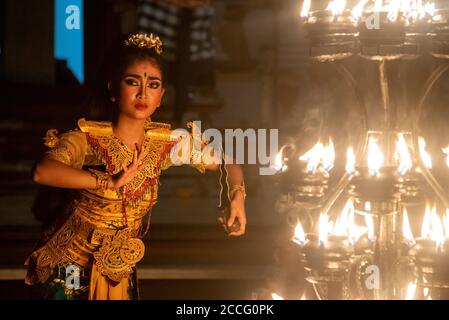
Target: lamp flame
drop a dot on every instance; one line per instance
(323, 229)
(406, 230)
(411, 290)
(394, 10)
(411, 9)
(306, 8)
(279, 164)
(437, 228)
(299, 236)
(416, 10)
(336, 6)
(432, 227)
(405, 6)
(375, 157)
(446, 223)
(425, 229)
(354, 231)
(403, 155)
(358, 9)
(313, 157)
(342, 223)
(328, 157)
(429, 8)
(378, 5)
(319, 154)
(369, 221)
(446, 152)
(350, 161)
(370, 225)
(275, 296)
(423, 153)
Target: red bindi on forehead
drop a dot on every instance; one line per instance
(146, 70)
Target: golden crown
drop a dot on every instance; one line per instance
(142, 40)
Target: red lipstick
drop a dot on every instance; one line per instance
(140, 106)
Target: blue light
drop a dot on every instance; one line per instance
(69, 35)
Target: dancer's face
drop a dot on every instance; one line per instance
(140, 90)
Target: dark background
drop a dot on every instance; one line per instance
(260, 77)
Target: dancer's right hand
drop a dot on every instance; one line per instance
(128, 172)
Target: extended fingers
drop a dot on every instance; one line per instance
(142, 154)
(133, 164)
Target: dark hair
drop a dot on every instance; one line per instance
(118, 58)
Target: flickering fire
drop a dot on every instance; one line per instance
(323, 229)
(350, 161)
(446, 152)
(313, 157)
(425, 229)
(378, 5)
(437, 228)
(370, 224)
(369, 221)
(411, 9)
(328, 157)
(336, 6)
(393, 10)
(299, 237)
(426, 290)
(342, 223)
(432, 227)
(279, 164)
(354, 231)
(375, 157)
(446, 223)
(358, 9)
(306, 8)
(319, 154)
(275, 296)
(418, 11)
(427, 160)
(406, 5)
(406, 230)
(411, 290)
(402, 154)
(429, 9)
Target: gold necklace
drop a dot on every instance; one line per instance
(139, 143)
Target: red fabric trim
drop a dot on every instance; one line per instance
(101, 152)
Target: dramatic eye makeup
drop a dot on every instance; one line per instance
(154, 84)
(135, 80)
(131, 81)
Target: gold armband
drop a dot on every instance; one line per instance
(235, 188)
(102, 179)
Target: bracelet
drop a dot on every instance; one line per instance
(102, 179)
(235, 188)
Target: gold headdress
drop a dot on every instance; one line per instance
(142, 40)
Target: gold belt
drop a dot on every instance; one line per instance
(119, 252)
